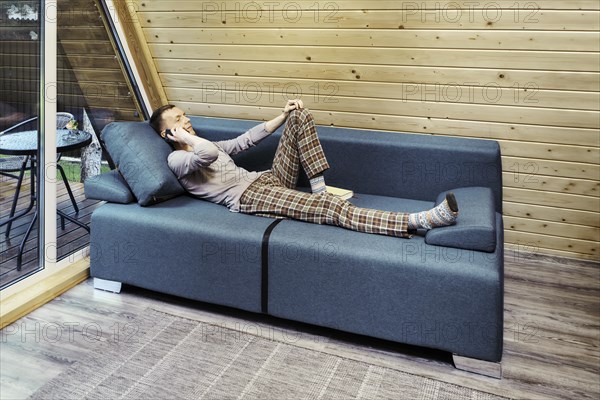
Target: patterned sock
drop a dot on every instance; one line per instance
(317, 184)
(443, 215)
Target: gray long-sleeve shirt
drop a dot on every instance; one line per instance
(210, 173)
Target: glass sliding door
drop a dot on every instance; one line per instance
(92, 88)
(22, 129)
(72, 124)
(63, 75)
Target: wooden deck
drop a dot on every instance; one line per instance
(70, 239)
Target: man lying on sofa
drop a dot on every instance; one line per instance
(205, 169)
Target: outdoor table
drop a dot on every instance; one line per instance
(25, 143)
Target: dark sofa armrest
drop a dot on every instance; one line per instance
(109, 186)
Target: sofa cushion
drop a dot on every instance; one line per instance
(475, 227)
(385, 203)
(141, 157)
(184, 246)
(397, 289)
(109, 186)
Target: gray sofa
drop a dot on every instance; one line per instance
(442, 289)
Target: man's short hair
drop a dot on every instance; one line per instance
(156, 118)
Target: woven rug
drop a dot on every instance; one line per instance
(171, 357)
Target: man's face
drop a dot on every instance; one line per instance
(176, 118)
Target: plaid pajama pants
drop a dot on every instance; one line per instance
(274, 195)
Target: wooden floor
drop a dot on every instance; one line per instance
(70, 239)
(551, 341)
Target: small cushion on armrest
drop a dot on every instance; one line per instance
(109, 186)
(141, 156)
(475, 227)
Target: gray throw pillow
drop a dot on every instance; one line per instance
(109, 186)
(140, 155)
(475, 227)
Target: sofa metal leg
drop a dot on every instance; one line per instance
(482, 367)
(109, 286)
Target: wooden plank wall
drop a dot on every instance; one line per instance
(89, 74)
(525, 73)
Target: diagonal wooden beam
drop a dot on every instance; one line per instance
(142, 57)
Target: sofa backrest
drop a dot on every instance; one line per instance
(391, 164)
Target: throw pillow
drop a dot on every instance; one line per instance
(140, 155)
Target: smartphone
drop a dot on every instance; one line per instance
(167, 139)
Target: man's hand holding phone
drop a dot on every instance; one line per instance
(176, 135)
(181, 138)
